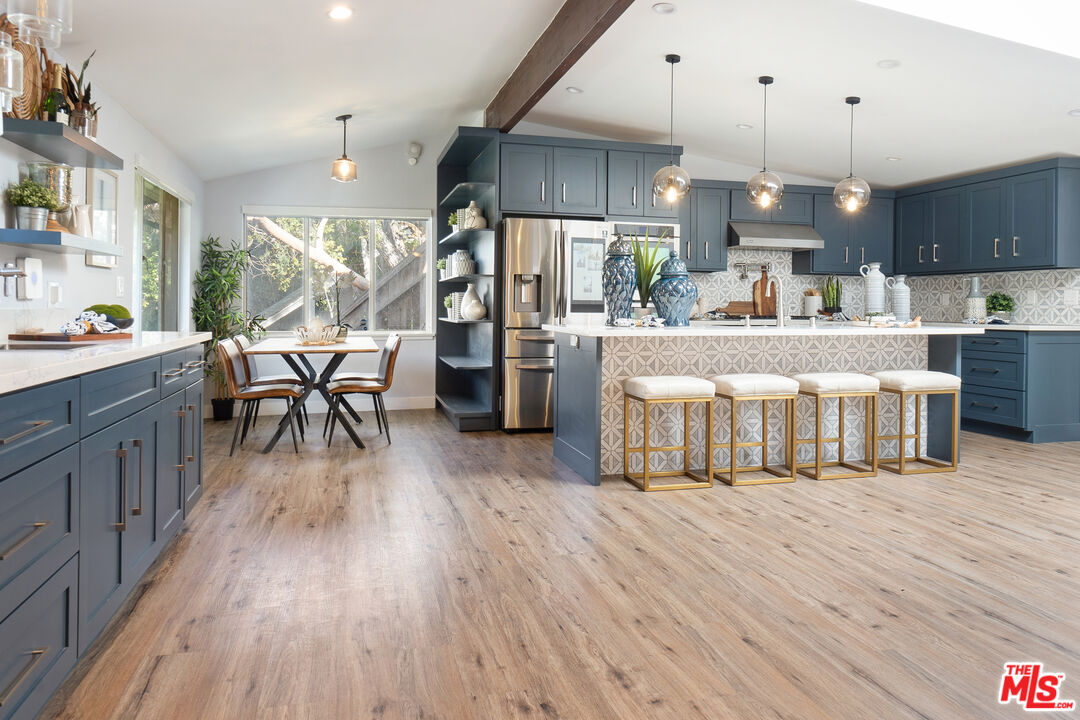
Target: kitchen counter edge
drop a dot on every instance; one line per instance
(603, 331)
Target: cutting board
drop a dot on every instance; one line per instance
(738, 307)
(61, 337)
(764, 296)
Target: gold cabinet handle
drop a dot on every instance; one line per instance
(174, 373)
(193, 365)
(191, 457)
(122, 525)
(138, 443)
(1015, 240)
(183, 438)
(36, 656)
(38, 528)
(35, 425)
(997, 241)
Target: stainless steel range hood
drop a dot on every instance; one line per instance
(774, 236)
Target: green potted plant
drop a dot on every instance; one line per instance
(452, 222)
(1000, 305)
(217, 292)
(831, 292)
(440, 264)
(647, 262)
(32, 202)
(448, 302)
(83, 110)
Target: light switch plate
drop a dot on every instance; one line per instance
(56, 294)
(119, 286)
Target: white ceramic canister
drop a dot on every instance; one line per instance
(462, 263)
(811, 304)
(901, 297)
(875, 287)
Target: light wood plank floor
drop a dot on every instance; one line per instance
(472, 576)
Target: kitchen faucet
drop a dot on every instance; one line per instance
(779, 299)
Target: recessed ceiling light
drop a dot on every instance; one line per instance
(893, 158)
(1075, 112)
(663, 8)
(574, 90)
(744, 126)
(888, 64)
(340, 12)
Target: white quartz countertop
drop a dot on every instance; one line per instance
(706, 330)
(1019, 327)
(22, 366)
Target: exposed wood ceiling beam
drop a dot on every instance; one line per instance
(578, 24)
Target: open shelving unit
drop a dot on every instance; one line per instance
(465, 362)
(464, 238)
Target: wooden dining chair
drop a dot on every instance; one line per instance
(232, 364)
(255, 378)
(373, 385)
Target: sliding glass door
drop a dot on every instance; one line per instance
(160, 211)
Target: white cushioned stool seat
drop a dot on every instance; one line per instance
(916, 380)
(754, 384)
(836, 382)
(659, 387)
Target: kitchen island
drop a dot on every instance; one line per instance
(591, 362)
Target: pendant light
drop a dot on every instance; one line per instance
(766, 188)
(851, 193)
(671, 182)
(11, 75)
(343, 169)
(41, 22)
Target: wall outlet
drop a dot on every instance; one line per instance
(1072, 297)
(119, 286)
(56, 294)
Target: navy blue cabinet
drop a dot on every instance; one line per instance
(173, 442)
(986, 224)
(703, 221)
(913, 233)
(851, 239)
(656, 205)
(1030, 220)
(525, 178)
(193, 481)
(37, 422)
(795, 208)
(580, 181)
(932, 233)
(872, 235)
(625, 183)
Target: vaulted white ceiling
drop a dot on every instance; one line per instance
(958, 101)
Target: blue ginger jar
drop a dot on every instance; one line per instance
(674, 294)
(620, 279)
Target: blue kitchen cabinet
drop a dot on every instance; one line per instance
(656, 206)
(703, 220)
(526, 177)
(173, 442)
(913, 234)
(794, 208)
(625, 183)
(950, 250)
(1030, 213)
(851, 239)
(872, 235)
(986, 225)
(193, 480)
(580, 181)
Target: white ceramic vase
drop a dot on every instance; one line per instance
(811, 304)
(462, 263)
(875, 287)
(901, 297)
(472, 307)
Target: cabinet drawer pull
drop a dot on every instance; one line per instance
(935, 252)
(976, 341)
(193, 365)
(983, 405)
(35, 425)
(564, 193)
(1015, 240)
(36, 656)
(191, 410)
(862, 255)
(38, 528)
(121, 526)
(174, 373)
(706, 249)
(138, 443)
(183, 438)
(634, 199)
(986, 370)
(688, 250)
(537, 338)
(543, 190)
(542, 368)
(920, 254)
(997, 241)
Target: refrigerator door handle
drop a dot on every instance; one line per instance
(563, 280)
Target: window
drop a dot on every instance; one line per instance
(366, 270)
(160, 211)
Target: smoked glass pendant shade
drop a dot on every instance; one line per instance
(765, 189)
(671, 183)
(41, 22)
(851, 194)
(11, 72)
(343, 170)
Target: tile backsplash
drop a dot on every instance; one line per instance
(1043, 297)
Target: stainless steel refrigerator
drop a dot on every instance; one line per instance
(554, 276)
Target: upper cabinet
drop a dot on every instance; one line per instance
(851, 239)
(526, 178)
(1029, 219)
(625, 183)
(794, 208)
(703, 220)
(656, 205)
(932, 233)
(580, 181)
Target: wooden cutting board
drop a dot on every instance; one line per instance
(738, 307)
(764, 296)
(61, 337)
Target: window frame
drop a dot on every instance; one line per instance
(306, 212)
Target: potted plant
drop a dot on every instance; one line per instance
(83, 111)
(440, 264)
(831, 293)
(32, 202)
(647, 262)
(452, 222)
(217, 292)
(448, 301)
(1000, 305)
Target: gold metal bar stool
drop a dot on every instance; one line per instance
(840, 385)
(919, 383)
(667, 390)
(761, 388)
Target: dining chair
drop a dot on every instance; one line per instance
(254, 378)
(231, 361)
(367, 384)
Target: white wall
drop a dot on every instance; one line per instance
(385, 181)
(122, 135)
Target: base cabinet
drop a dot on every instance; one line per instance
(193, 484)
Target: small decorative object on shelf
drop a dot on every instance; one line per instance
(440, 265)
(455, 308)
(831, 294)
(32, 202)
(55, 107)
(56, 177)
(975, 302)
(448, 303)
(874, 292)
(646, 264)
(901, 298)
(472, 307)
(620, 279)
(472, 217)
(462, 263)
(84, 112)
(1001, 305)
(674, 293)
(452, 221)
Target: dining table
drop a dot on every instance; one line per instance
(298, 358)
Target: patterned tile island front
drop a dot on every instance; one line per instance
(592, 362)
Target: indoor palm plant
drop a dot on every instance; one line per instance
(647, 262)
(32, 202)
(215, 307)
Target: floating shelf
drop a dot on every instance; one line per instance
(59, 143)
(464, 278)
(465, 237)
(466, 322)
(463, 406)
(465, 362)
(57, 242)
(462, 193)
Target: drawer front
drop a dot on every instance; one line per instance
(39, 525)
(994, 369)
(173, 372)
(109, 396)
(996, 341)
(1004, 407)
(37, 645)
(193, 365)
(36, 423)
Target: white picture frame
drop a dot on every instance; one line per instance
(102, 188)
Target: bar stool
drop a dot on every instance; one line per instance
(919, 383)
(840, 385)
(751, 388)
(667, 390)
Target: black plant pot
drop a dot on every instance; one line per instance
(223, 408)
(832, 310)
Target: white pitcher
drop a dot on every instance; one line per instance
(875, 287)
(901, 297)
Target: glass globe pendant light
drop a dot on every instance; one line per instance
(765, 189)
(852, 193)
(343, 169)
(671, 182)
(41, 22)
